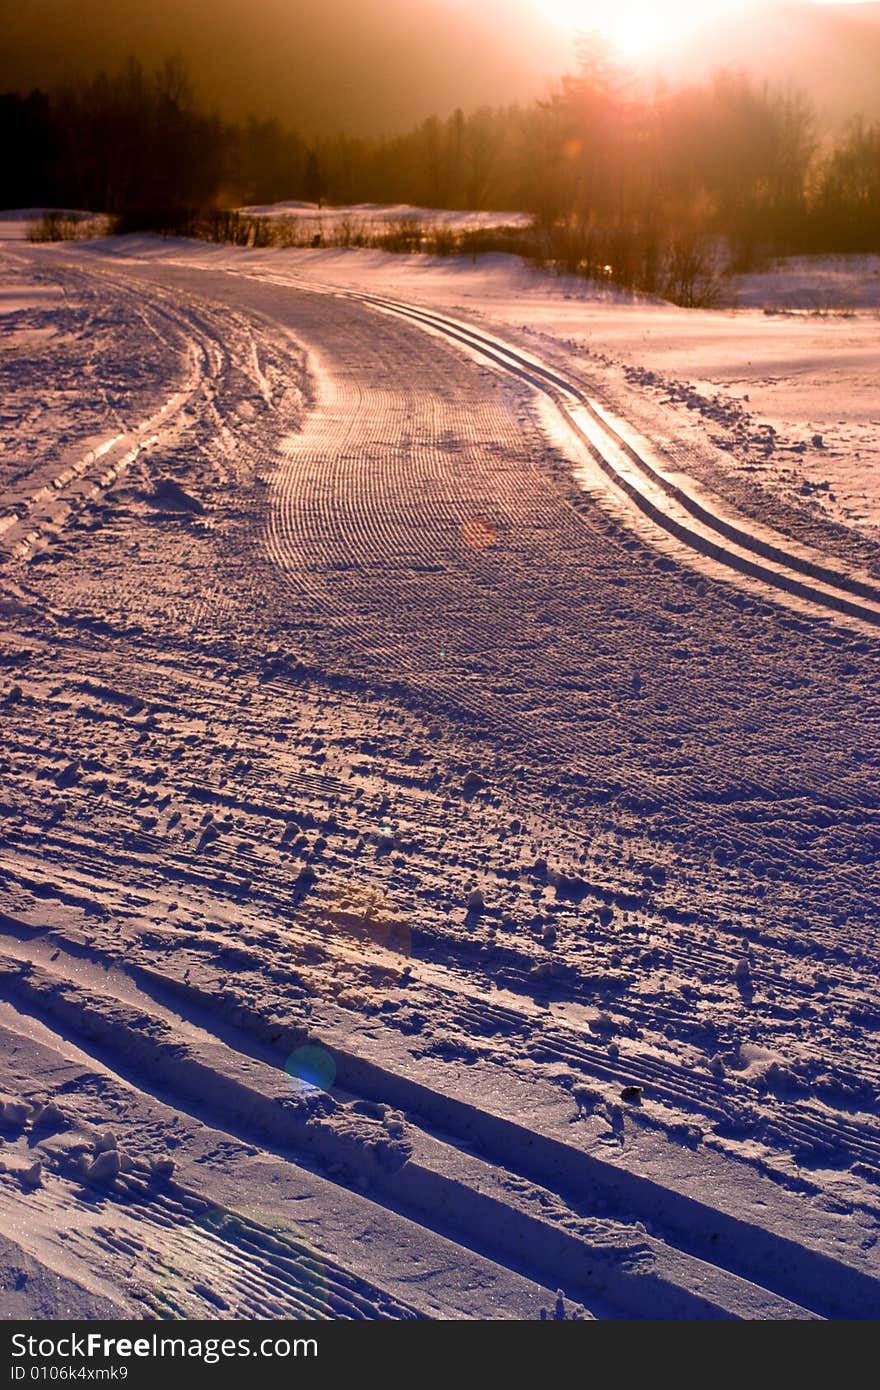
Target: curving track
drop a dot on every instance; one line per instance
(673, 504)
(258, 757)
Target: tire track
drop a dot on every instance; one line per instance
(611, 445)
(376, 630)
(484, 1203)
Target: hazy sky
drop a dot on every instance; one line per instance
(375, 66)
(358, 64)
(636, 27)
(829, 48)
(641, 28)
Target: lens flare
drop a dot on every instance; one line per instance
(479, 533)
(311, 1068)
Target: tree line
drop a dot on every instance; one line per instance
(612, 175)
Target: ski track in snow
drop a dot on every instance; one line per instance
(468, 885)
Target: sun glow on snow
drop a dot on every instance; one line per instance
(636, 28)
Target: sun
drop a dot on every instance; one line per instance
(636, 28)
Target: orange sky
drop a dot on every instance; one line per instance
(641, 29)
(378, 66)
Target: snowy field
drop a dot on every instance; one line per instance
(439, 822)
(782, 380)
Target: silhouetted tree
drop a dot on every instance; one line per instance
(314, 186)
(619, 181)
(28, 140)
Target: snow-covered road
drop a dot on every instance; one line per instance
(473, 893)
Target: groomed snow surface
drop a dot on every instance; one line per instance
(438, 834)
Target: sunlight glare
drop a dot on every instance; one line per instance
(636, 28)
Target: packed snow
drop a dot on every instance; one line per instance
(439, 820)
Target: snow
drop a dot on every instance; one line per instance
(382, 216)
(443, 884)
(821, 285)
(789, 367)
(16, 223)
